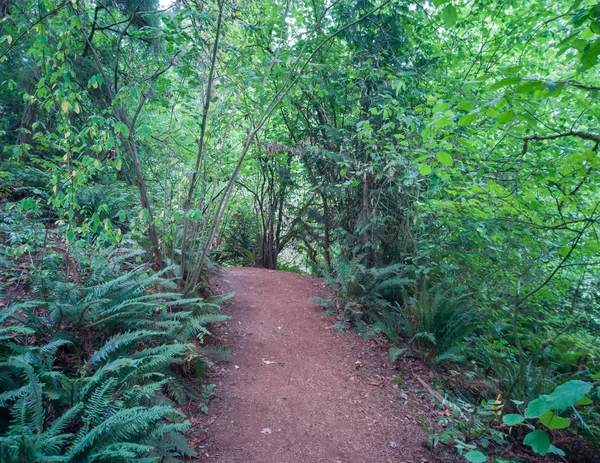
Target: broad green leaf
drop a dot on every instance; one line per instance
(95, 222)
(568, 394)
(552, 421)
(556, 450)
(506, 117)
(450, 15)
(444, 159)
(475, 456)
(437, 3)
(125, 131)
(583, 401)
(467, 119)
(505, 82)
(443, 122)
(538, 440)
(513, 419)
(122, 129)
(464, 106)
(536, 407)
(424, 169)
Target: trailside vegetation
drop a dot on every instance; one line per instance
(437, 162)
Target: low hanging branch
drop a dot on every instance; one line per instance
(572, 133)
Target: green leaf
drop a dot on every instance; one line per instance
(122, 129)
(563, 251)
(444, 159)
(505, 82)
(552, 421)
(536, 407)
(437, 3)
(506, 117)
(424, 169)
(583, 401)
(95, 222)
(568, 394)
(475, 456)
(450, 15)
(467, 119)
(513, 419)
(464, 106)
(125, 131)
(556, 450)
(538, 440)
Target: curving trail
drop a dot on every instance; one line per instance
(294, 391)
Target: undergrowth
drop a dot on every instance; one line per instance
(95, 368)
(432, 318)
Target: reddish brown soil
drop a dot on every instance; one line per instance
(297, 391)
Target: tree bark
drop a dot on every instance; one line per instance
(3, 12)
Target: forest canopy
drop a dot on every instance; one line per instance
(437, 162)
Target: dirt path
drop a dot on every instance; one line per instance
(294, 391)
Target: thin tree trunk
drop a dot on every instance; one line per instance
(326, 231)
(130, 143)
(3, 12)
(188, 201)
(28, 117)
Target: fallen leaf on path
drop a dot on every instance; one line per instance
(268, 362)
(266, 431)
(373, 383)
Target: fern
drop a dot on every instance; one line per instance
(89, 373)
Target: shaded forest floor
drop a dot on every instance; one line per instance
(296, 391)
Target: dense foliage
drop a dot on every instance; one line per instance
(437, 162)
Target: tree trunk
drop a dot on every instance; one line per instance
(326, 231)
(28, 118)
(130, 144)
(3, 12)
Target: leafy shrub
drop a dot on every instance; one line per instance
(546, 410)
(472, 430)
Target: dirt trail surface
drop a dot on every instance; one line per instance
(296, 391)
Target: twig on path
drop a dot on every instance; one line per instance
(445, 402)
